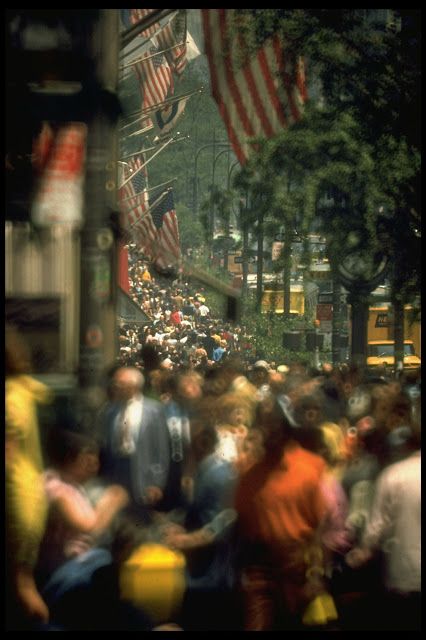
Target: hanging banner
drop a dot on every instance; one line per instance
(59, 159)
(166, 118)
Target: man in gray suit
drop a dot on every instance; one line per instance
(135, 440)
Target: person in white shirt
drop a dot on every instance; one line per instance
(136, 450)
(203, 311)
(394, 526)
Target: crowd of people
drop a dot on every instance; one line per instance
(181, 326)
(269, 497)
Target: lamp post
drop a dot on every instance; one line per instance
(195, 185)
(227, 246)
(212, 212)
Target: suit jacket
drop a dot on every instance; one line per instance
(148, 465)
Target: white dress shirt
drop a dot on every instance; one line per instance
(127, 425)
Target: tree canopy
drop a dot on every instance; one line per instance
(352, 164)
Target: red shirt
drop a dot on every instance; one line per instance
(283, 504)
(176, 317)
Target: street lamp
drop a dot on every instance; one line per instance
(195, 186)
(227, 150)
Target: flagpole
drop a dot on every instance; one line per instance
(142, 43)
(143, 59)
(142, 193)
(162, 184)
(137, 153)
(153, 206)
(172, 99)
(155, 107)
(130, 124)
(138, 132)
(146, 162)
(133, 31)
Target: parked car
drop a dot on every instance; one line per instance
(381, 354)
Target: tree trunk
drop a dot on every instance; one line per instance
(259, 284)
(227, 239)
(336, 322)
(288, 236)
(359, 303)
(245, 230)
(398, 315)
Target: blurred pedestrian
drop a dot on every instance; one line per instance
(26, 505)
(394, 526)
(281, 508)
(135, 441)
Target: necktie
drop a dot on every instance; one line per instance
(176, 439)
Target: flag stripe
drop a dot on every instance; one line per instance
(155, 78)
(169, 37)
(136, 15)
(253, 84)
(133, 196)
(286, 83)
(230, 78)
(238, 136)
(226, 108)
(258, 93)
(266, 65)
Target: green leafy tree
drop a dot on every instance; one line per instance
(354, 159)
(191, 231)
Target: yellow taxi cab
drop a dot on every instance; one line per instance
(381, 354)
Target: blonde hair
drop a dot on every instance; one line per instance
(230, 401)
(334, 440)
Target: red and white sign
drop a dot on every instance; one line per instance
(59, 157)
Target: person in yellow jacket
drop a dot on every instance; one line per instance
(25, 502)
(146, 274)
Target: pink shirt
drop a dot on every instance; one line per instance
(61, 541)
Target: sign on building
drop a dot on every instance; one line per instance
(59, 158)
(383, 320)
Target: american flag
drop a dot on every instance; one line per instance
(131, 17)
(172, 40)
(133, 196)
(162, 212)
(258, 93)
(172, 37)
(155, 77)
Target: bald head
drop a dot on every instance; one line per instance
(128, 381)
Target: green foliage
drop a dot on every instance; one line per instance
(266, 331)
(352, 164)
(216, 300)
(191, 230)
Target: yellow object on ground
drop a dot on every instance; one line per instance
(320, 611)
(153, 578)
